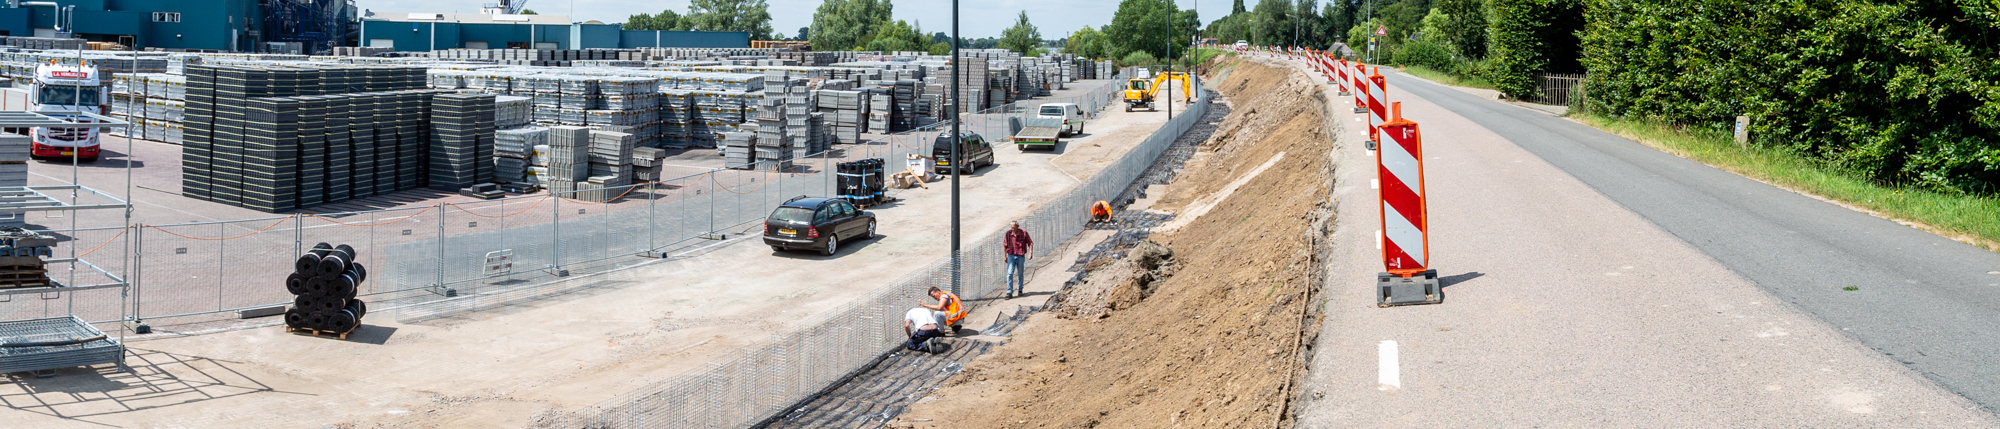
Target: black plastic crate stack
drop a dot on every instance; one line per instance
(860, 182)
(323, 284)
(279, 138)
(461, 137)
(198, 138)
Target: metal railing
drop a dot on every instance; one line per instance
(775, 373)
(1561, 89)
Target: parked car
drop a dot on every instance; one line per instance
(975, 153)
(816, 223)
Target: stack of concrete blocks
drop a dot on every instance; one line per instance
(577, 94)
(973, 81)
(738, 149)
(636, 99)
(512, 111)
(568, 159)
(880, 105)
(847, 114)
(13, 173)
(646, 164)
(676, 117)
(716, 112)
(512, 151)
(610, 171)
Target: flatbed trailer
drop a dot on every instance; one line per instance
(1039, 132)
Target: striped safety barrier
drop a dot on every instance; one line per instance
(1406, 243)
(1378, 103)
(1360, 89)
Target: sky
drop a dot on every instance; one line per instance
(977, 18)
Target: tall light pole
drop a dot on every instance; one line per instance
(957, 103)
(1171, 10)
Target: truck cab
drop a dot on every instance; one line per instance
(62, 91)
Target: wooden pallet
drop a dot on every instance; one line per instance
(316, 332)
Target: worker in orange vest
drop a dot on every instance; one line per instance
(950, 310)
(1100, 212)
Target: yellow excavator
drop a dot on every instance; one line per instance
(1140, 92)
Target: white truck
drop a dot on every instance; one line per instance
(61, 91)
(1051, 123)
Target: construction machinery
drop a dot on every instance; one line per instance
(1140, 92)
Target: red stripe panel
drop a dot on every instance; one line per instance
(1398, 194)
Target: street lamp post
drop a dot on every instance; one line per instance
(957, 103)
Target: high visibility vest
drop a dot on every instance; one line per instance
(953, 311)
(1101, 208)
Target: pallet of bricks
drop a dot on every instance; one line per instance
(610, 174)
(21, 253)
(461, 146)
(282, 137)
(153, 102)
(566, 162)
(629, 105)
(738, 149)
(14, 155)
(845, 114)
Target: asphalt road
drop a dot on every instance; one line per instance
(1585, 288)
(1926, 301)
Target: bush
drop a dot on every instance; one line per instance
(1426, 54)
(1906, 93)
(1138, 58)
(1532, 37)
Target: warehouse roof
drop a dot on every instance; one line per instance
(468, 18)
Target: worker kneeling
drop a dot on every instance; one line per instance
(921, 325)
(1100, 212)
(950, 310)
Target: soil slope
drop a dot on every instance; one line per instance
(1217, 340)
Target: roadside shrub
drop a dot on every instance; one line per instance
(1138, 58)
(1907, 93)
(1531, 37)
(1427, 54)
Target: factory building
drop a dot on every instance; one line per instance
(216, 25)
(438, 31)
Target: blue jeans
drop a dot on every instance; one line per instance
(1017, 273)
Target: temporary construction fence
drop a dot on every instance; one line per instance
(450, 258)
(763, 379)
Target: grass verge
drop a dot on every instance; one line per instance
(1446, 78)
(1202, 55)
(1973, 220)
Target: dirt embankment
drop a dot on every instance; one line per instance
(1208, 336)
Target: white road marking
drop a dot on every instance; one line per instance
(1374, 183)
(1391, 374)
(1378, 239)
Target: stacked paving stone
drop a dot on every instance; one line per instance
(568, 159)
(281, 137)
(738, 149)
(462, 132)
(512, 150)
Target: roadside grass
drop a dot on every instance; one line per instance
(1973, 220)
(1202, 55)
(1446, 78)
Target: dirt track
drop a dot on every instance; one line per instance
(1219, 340)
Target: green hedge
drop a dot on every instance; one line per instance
(1526, 38)
(1905, 92)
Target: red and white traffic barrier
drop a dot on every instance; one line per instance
(1378, 104)
(1340, 73)
(1406, 242)
(1360, 89)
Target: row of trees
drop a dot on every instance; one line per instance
(1140, 33)
(752, 16)
(1902, 91)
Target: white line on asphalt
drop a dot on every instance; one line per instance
(1378, 239)
(1374, 183)
(1391, 374)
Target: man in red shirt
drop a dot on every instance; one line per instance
(1019, 249)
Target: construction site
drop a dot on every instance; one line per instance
(516, 237)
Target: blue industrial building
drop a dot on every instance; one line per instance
(434, 31)
(223, 25)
